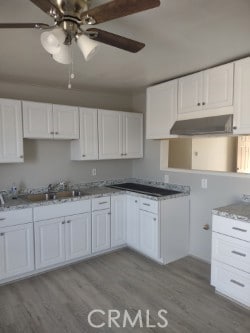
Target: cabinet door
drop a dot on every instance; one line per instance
(149, 234)
(110, 134)
(86, 148)
(49, 242)
(118, 220)
(100, 230)
(132, 135)
(218, 87)
(78, 236)
(190, 93)
(66, 122)
(11, 136)
(161, 109)
(37, 120)
(133, 222)
(17, 252)
(242, 97)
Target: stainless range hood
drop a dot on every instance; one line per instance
(201, 126)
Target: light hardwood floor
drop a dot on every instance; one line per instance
(59, 301)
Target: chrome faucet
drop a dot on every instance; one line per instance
(2, 200)
(57, 186)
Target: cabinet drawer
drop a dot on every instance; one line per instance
(14, 217)
(149, 205)
(63, 209)
(230, 227)
(231, 282)
(101, 203)
(231, 251)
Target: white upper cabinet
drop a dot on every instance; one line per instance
(161, 109)
(132, 135)
(86, 148)
(37, 120)
(120, 134)
(47, 121)
(190, 93)
(11, 132)
(66, 122)
(110, 134)
(218, 86)
(206, 93)
(242, 97)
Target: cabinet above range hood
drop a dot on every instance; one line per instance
(202, 126)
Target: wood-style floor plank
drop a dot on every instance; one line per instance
(60, 300)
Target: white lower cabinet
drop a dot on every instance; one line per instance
(118, 220)
(149, 234)
(16, 250)
(100, 230)
(133, 222)
(50, 242)
(230, 267)
(78, 236)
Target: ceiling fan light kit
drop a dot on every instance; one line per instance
(70, 15)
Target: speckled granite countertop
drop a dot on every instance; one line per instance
(94, 190)
(238, 211)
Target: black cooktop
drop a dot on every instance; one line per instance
(145, 189)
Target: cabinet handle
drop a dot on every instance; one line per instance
(56, 133)
(198, 104)
(83, 155)
(155, 219)
(146, 204)
(122, 154)
(52, 133)
(109, 213)
(238, 283)
(103, 202)
(2, 234)
(69, 221)
(239, 229)
(239, 253)
(2, 218)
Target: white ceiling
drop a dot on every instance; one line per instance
(181, 36)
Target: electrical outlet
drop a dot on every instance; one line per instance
(93, 172)
(166, 178)
(204, 183)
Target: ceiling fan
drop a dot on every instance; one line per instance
(71, 15)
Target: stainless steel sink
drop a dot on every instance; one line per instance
(38, 197)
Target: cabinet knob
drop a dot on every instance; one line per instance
(56, 133)
(63, 222)
(206, 227)
(235, 127)
(154, 218)
(2, 234)
(198, 104)
(83, 155)
(109, 213)
(136, 201)
(51, 133)
(21, 156)
(69, 221)
(203, 103)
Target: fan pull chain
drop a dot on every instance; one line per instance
(71, 70)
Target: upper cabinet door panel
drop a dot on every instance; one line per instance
(110, 134)
(11, 134)
(37, 120)
(86, 148)
(66, 122)
(133, 135)
(218, 87)
(161, 109)
(242, 97)
(190, 93)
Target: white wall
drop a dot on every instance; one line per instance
(47, 161)
(222, 189)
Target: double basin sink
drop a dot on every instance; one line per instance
(37, 197)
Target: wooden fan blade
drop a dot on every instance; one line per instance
(45, 5)
(119, 8)
(116, 40)
(23, 25)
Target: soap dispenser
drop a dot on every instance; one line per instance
(14, 191)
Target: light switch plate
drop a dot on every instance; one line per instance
(93, 172)
(204, 183)
(166, 178)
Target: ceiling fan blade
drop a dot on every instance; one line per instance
(119, 8)
(23, 25)
(120, 42)
(45, 5)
